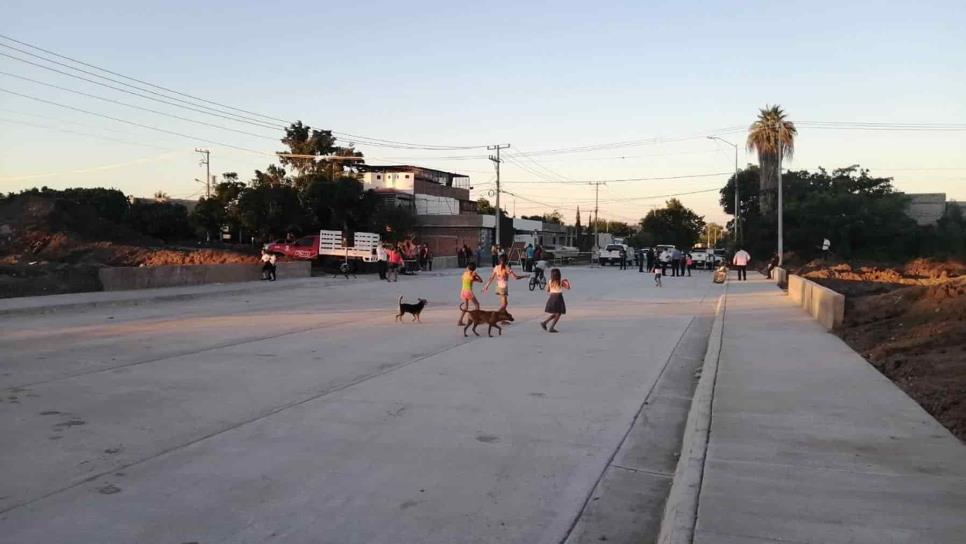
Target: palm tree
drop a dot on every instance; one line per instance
(770, 133)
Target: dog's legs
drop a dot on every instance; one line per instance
(466, 327)
(475, 323)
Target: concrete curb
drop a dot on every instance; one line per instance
(137, 297)
(681, 508)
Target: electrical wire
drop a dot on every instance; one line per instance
(142, 108)
(659, 178)
(343, 136)
(93, 168)
(214, 142)
(79, 133)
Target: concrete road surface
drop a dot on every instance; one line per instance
(307, 414)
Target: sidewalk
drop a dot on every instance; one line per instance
(809, 443)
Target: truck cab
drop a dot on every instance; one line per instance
(305, 248)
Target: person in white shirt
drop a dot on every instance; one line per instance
(740, 261)
(268, 265)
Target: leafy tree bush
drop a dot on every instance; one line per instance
(861, 215)
(673, 224)
(164, 220)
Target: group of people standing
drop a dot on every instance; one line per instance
(680, 262)
(391, 258)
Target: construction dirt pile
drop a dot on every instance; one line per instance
(50, 246)
(910, 323)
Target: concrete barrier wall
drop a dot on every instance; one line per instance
(780, 275)
(824, 304)
(147, 277)
(445, 262)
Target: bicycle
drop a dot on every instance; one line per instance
(538, 280)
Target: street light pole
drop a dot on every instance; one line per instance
(737, 213)
(781, 237)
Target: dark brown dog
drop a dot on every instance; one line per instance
(414, 309)
(493, 318)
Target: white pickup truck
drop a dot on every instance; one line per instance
(612, 254)
(705, 258)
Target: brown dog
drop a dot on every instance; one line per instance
(490, 317)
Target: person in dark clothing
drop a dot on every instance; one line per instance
(460, 257)
(623, 254)
(650, 260)
(640, 260)
(772, 264)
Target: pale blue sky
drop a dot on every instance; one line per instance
(539, 75)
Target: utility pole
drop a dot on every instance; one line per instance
(596, 185)
(207, 162)
(496, 161)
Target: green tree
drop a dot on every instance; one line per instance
(270, 211)
(673, 224)
(342, 204)
(305, 144)
(210, 215)
(862, 216)
(164, 220)
(770, 135)
(484, 207)
(394, 223)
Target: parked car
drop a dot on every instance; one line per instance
(560, 252)
(612, 254)
(304, 248)
(705, 258)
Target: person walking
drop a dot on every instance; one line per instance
(740, 261)
(268, 265)
(466, 292)
(395, 263)
(650, 260)
(502, 273)
(555, 302)
(382, 264)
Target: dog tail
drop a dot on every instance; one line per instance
(465, 305)
(400, 299)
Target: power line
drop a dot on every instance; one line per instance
(343, 136)
(134, 106)
(88, 72)
(79, 133)
(661, 178)
(91, 169)
(149, 127)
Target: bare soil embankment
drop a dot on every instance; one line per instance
(50, 246)
(909, 321)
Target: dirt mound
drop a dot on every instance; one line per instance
(51, 245)
(916, 335)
